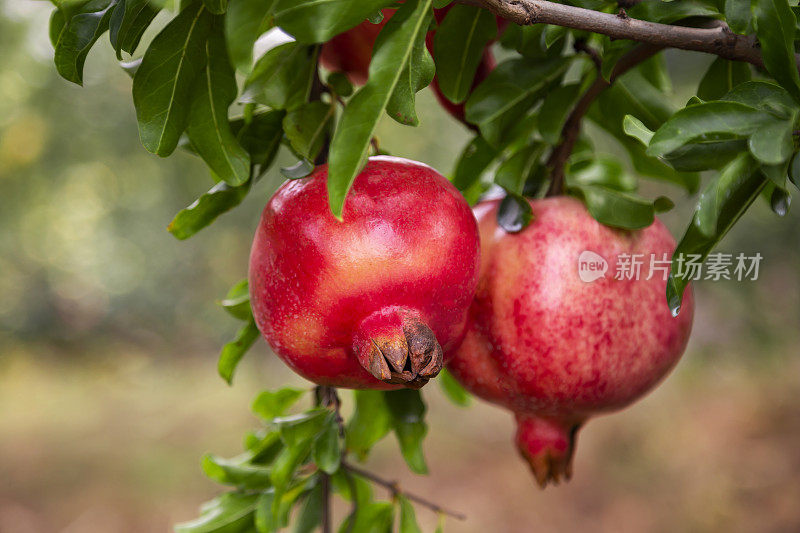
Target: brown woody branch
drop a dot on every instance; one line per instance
(572, 126)
(718, 40)
(394, 488)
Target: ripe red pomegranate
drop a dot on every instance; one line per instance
(351, 52)
(557, 350)
(376, 300)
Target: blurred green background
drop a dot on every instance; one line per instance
(109, 335)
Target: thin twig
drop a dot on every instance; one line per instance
(326, 397)
(394, 488)
(572, 127)
(718, 40)
(581, 46)
(326, 502)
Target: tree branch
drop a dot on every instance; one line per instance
(394, 488)
(572, 127)
(718, 40)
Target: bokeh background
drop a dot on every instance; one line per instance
(109, 335)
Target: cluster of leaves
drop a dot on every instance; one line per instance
(294, 462)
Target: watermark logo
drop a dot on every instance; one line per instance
(716, 267)
(591, 266)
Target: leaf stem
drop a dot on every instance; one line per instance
(395, 489)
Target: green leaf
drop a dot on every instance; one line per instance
(287, 462)
(514, 86)
(669, 12)
(391, 54)
(237, 301)
(408, 518)
(713, 199)
(245, 22)
(733, 196)
(602, 170)
(370, 422)
(794, 171)
(514, 172)
(705, 154)
(299, 170)
(266, 520)
(472, 163)
(78, 35)
(721, 77)
(203, 211)
(372, 517)
(236, 472)
(772, 143)
(261, 136)
(58, 21)
(310, 515)
(636, 129)
(233, 352)
(317, 21)
(453, 389)
(269, 404)
(738, 16)
(459, 45)
(128, 23)
(299, 430)
(616, 208)
(339, 83)
(307, 126)
(514, 213)
(555, 108)
(704, 119)
(208, 127)
(326, 454)
(417, 74)
(230, 513)
(167, 76)
(217, 7)
(775, 27)
(408, 421)
(634, 92)
(282, 78)
(765, 96)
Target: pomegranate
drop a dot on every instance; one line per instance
(557, 350)
(376, 300)
(351, 52)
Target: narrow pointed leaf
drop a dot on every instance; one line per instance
(130, 20)
(360, 118)
(459, 45)
(317, 21)
(164, 83)
(208, 127)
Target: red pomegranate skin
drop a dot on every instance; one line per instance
(557, 350)
(398, 273)
(351, 52)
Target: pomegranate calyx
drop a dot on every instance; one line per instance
(548, 446)
(399, 349)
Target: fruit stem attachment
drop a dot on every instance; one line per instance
(397, 347)
(548, 445)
